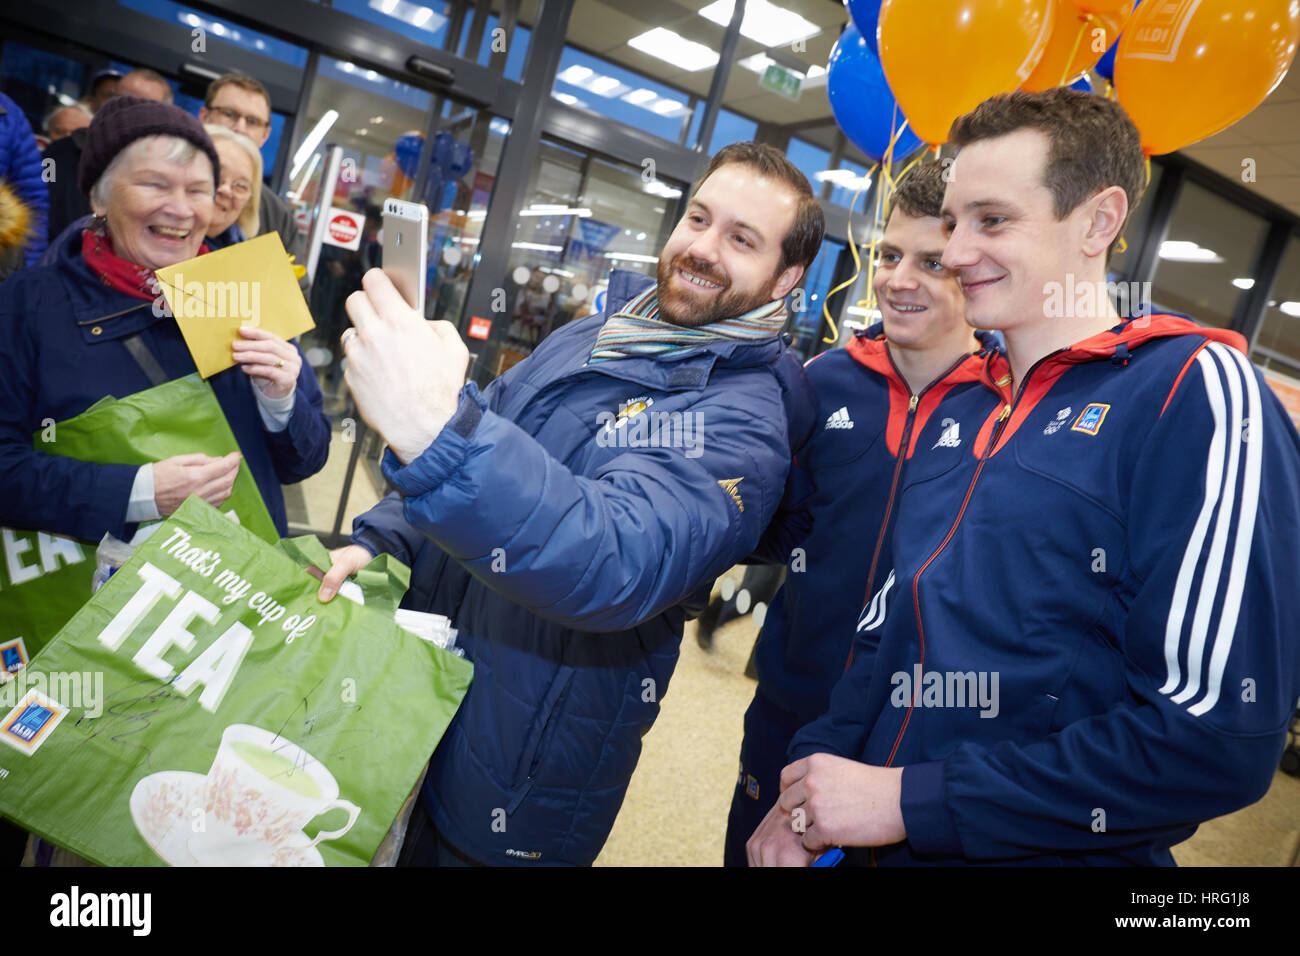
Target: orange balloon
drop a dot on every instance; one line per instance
(944, 57)
(1100, 6)
(1186, 71)
(1076, 44)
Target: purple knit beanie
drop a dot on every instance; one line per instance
(123, 120)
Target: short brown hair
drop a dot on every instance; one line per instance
(151, 76)
(799, 246)
(919, 193)
(243, 81)
(1093, 143)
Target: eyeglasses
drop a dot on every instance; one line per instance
(240, 188)
(250, 122)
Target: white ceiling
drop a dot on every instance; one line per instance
(1270, 135)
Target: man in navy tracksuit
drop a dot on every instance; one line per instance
(1086, 645)
(570, 518)
(873, 399)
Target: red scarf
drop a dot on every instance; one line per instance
(116, 272)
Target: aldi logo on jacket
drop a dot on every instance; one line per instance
(1131, 580)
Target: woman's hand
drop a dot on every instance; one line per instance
(345, 562)
(272, 362)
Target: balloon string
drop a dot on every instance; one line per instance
(898, 125)
(857, 265)
(1123, 243)
(886, 185)
(1083, 28)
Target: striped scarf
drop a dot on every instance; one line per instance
(635, 330)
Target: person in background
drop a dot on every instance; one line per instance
(88, 325)
(234, 217)
(20, 167)
(146, 83)
(243, 104)
(834, 527)
(103, 87)
(67, 202)
(62, 120)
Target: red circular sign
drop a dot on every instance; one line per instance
(343, 228)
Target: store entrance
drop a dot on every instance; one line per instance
(366, 137)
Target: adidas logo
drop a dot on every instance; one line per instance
(951, 436)
(840, 419)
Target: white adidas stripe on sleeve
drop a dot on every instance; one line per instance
(1233, 510)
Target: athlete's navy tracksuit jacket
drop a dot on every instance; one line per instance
(1117, 543)
(837, 511)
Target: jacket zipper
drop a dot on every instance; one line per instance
(898, 465)
(1003, 418)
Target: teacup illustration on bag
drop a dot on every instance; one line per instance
(250, 810)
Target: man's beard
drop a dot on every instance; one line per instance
(681, 309)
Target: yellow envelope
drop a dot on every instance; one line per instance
(249, 283)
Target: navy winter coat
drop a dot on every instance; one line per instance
(569, 551)
(61, 350)
(20, 164)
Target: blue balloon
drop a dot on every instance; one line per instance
(407, 152)
(866, 17)
(1106, 65)
(861, 100)
(1082, 84)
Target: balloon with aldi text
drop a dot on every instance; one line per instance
(1106, 65)
(1187, 71)
(943, 58)
(1097, 6)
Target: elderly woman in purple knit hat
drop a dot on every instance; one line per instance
(85, 326)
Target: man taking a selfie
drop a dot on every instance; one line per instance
(571, 517)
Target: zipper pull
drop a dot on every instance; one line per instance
(911, 406)
(1006, 411)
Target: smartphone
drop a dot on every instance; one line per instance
(406, 249)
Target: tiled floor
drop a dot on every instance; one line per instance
(314, 503)
(675, 813)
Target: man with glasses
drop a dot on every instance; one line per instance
(243, 104)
